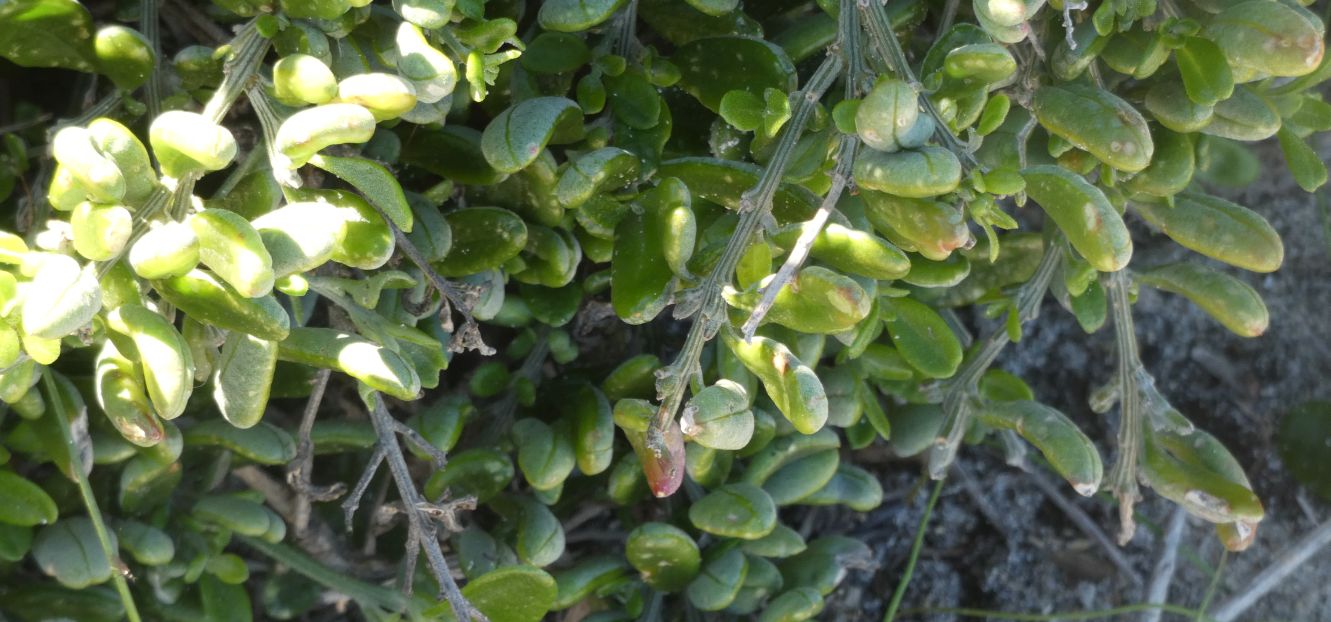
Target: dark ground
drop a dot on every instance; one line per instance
(1024, 555)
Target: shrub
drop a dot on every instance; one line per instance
(648, 272)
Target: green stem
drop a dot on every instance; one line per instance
(962, 388)
(884, 40)
(237, 174)
(249, 49)
(103, 107)
(800, 251)
(240, 70)
(158, 200)
(1123, 476)
(755, 206)
(1211, 586)
(270, 119)
(85, 490)
(359, 591)
(915, 549)
(1063, 616)
(149, 25)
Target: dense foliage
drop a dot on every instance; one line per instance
(630, 282)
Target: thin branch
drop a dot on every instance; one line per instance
(1285, 563)
(416, 519)
(365, 594)
(915, 549)
(238, 72)
(196, 21)
(973, 491)
(1123, 475)
(438, 458)
(755, 207)
(150, 26)
(800, 251)
(1086, 525)
(19, 126)
(1064, 616)
(352, 502)
(85, 490)
(961, 391)
(298, 472)
(1163, 575)
(1212, 585)
(461, 297)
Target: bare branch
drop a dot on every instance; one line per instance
(437, 457)
(416, 519)
(1163, 575)
(352, 502)
(460, 296)
(800, 251)
(298, 472)
(1086, 525)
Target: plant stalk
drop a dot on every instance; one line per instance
(85, 490)
(1123, 475)
(961, 390)
(755, 207)
(915, 549)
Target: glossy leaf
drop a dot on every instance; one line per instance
(739, 510)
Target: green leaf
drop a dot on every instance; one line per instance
(739, 510)
(1308, 169)
(148, 545)
(15, 542)
(742, 109)
(264, 443)
(1313, 114)
(1206, 75)
(720, 580)
(585, 578)
(725, 181)
(555, 52)
(545, 454)
(47, 33)
(715, 8)
(69, 552)
(1304, 443)
(852, 487)
(540, 536)
(801, 603)
(483, 238)
(24, 503)
(802, 477)
(781, 542)
(239, 514)
(516, 137)
(750, 64)
(1230, 301)
(375, 182)
(480, 472)
(922, 337)
(633, 100)
(1068, 450)
(512, 594)
(223, 602)
(575, 15)
(666, 556)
